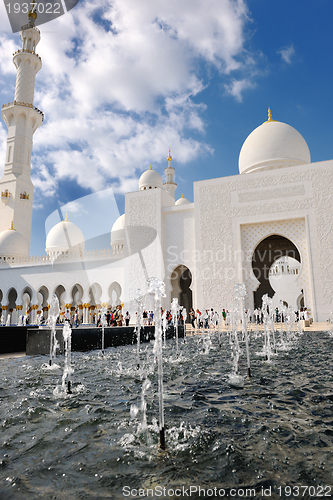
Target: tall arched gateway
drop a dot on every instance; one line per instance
(270, 252)
(181, 279)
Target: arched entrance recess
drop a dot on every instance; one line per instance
(114, 294)
(76, 295)
(265, 254)
(181, 279)
(12, 298)
(300, 301)
(95, 292)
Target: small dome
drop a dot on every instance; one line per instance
(150, 179)
(182, 201)
(13, 244)
(118, 232)
(63, 237)
(273, 145)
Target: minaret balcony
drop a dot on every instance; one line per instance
(16, 107)
(5, 196)
(27, 51)
(24, 197)
(23, 104)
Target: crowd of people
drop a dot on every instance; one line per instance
(209, 318)
(111, 318)
(205, 319)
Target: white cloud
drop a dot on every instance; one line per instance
(117, 93)
(237, 87)
(287, 53)
(44, 182)
(75, 207)
(7, 48)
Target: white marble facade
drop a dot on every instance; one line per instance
(233, 232)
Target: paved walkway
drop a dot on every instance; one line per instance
(323, 326)
(12, 355)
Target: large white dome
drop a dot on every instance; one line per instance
(273, 145)
(150, 179)
(63, 237)
(118, 232)
(13, 244)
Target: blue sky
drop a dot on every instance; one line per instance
(122, 81)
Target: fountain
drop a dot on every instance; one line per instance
(267, 346)
(157, 289)
(271, 321)
(103, 324)
(138, 300)
(240, 294)
(235, 348)
(184, 322)
(175, 308)
(54, 312)
(67, 332)
(165, 325)
(272, 430)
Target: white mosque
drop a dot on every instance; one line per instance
(243, 228)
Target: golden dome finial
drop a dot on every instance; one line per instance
(150, 168)
(169, 158)
(182, 195)
(32, 12)
(12, 225)
(270, 119)
(66, 218)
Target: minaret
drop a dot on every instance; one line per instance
(22, 119)
(170, 186)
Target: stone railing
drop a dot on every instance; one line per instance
(24, 104)
(63, 256)
(20, 51)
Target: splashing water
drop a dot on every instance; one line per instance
(175, 308)
(268, 430)
(52, 320)
(157, 288)
(67, 334)
(103, 323)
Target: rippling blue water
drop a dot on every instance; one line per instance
(273, 430)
